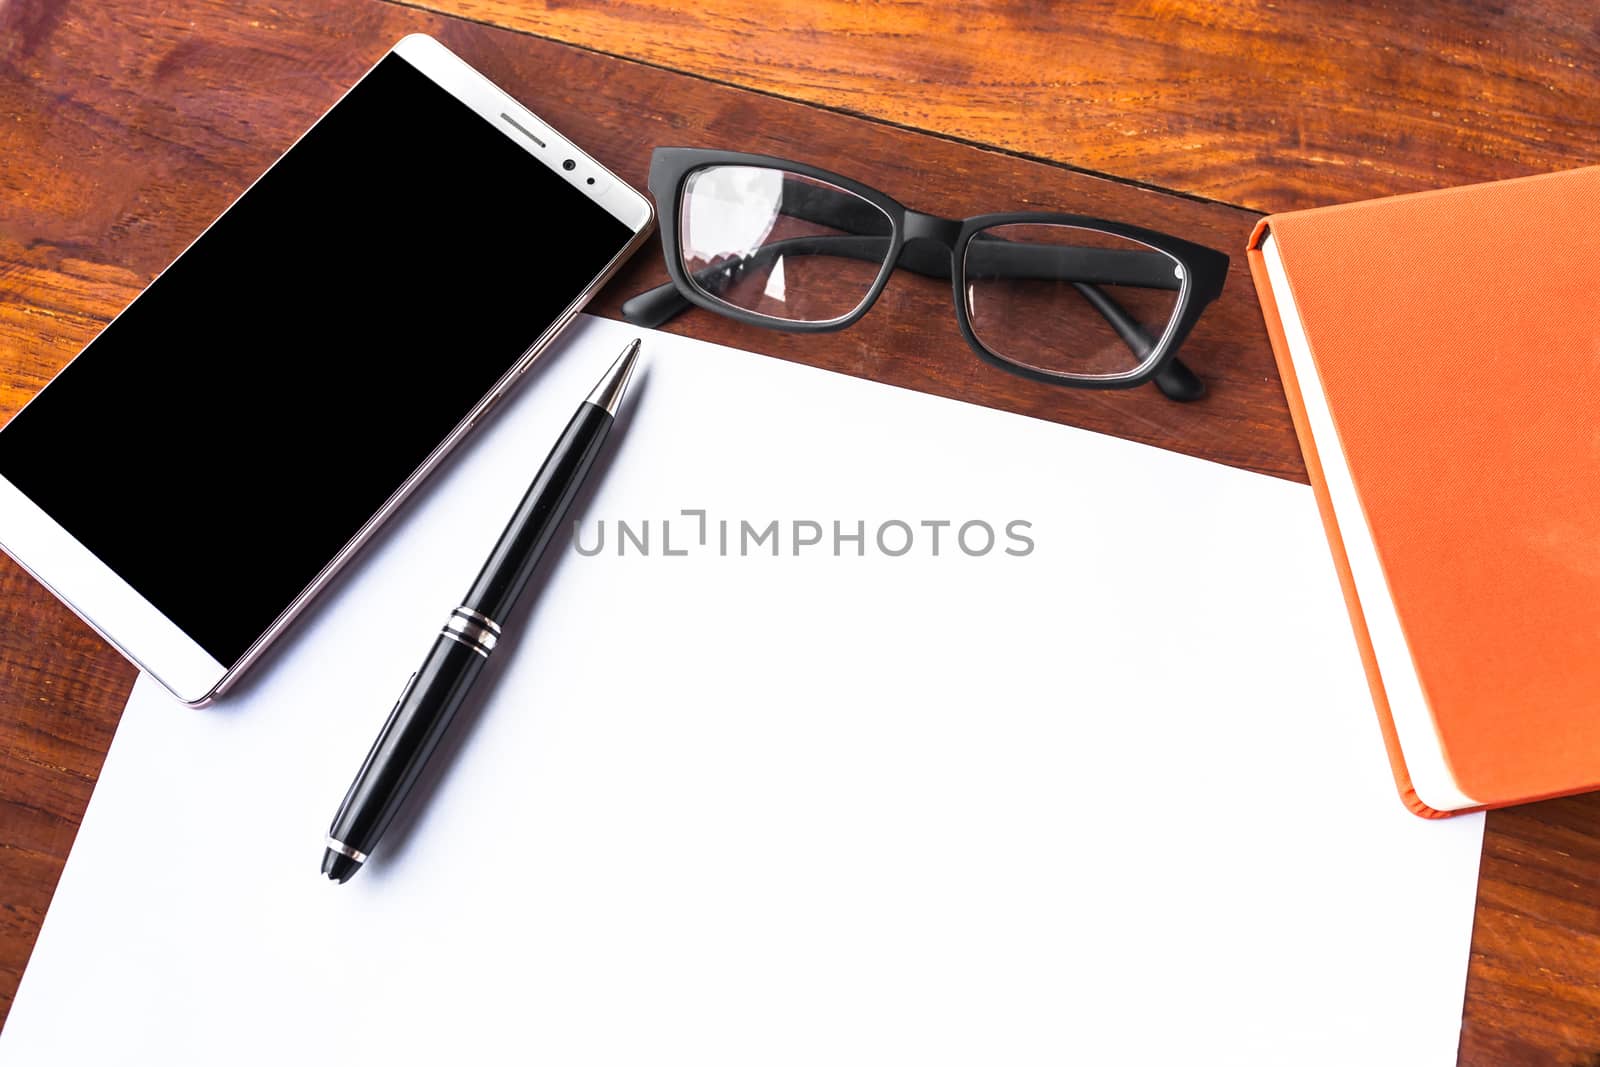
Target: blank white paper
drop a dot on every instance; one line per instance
(1122, 799)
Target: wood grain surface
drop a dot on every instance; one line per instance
(125, 128)
(1270, 104)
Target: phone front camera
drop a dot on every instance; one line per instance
(569, 164)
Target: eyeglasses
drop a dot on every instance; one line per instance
(1056, 298)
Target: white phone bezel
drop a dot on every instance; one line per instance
(120, 613)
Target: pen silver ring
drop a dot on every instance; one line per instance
(479, 617)
(345, 850)
(475, 632)
(462, 640)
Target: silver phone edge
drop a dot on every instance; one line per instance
(399, 497)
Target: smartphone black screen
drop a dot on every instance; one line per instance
(234, 428)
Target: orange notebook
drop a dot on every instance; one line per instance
(1441, 357)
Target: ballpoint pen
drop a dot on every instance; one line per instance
(433, 694)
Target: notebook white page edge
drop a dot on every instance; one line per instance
(1414, 723)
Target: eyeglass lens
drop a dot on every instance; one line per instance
(1069, 300)
(780, 244)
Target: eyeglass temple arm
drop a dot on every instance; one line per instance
(654, 307)
(995, 256)
(839, 209)
(827, 205)
(991, 256)
(1010, 259)
(1175, 380)
(1088, 269)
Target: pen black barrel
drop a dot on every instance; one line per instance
(539, 516)
(430, 700)
(416, 723)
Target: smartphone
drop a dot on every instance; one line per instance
(192, 478)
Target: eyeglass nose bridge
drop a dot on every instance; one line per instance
(928, 244)
(920, 227)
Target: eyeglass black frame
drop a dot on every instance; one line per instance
(1205, 271)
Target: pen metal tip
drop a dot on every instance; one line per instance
(608, 394)
(339, 867)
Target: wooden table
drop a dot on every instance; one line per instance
(126, 127)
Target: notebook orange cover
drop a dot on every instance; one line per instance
(1441, 356)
